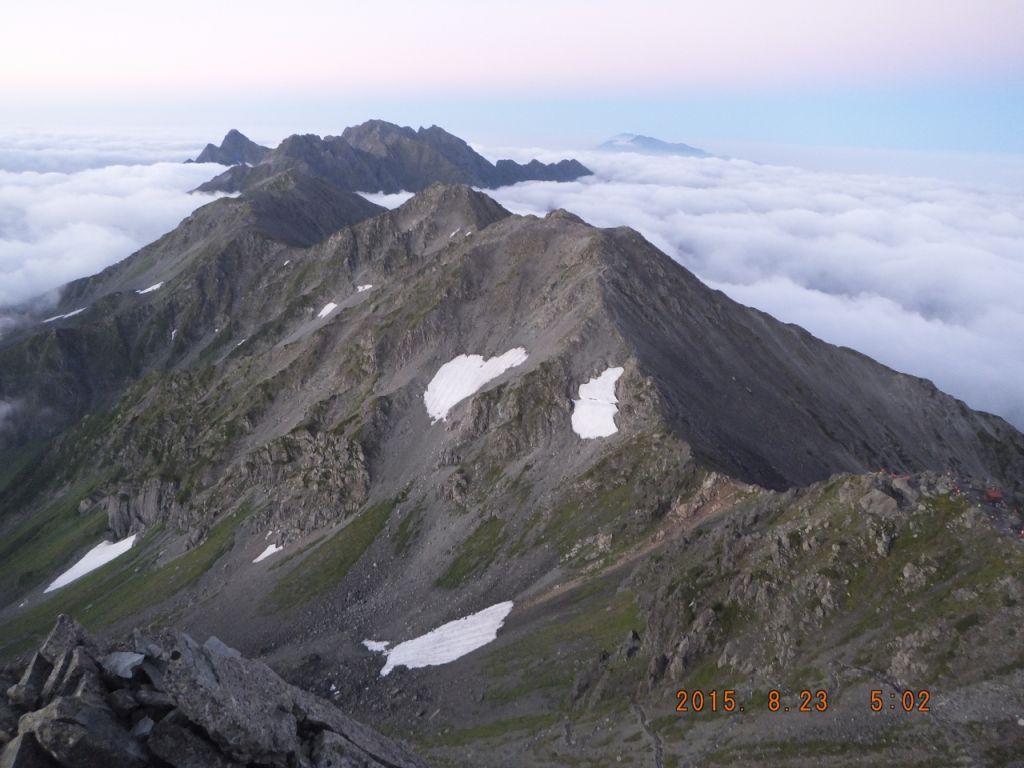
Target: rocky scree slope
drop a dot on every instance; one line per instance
(858, 583)
(295, 422)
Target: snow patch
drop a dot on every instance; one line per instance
(361, 288)
(286, 262)
(453, 234)
(98, 556)
(65, 317)
(267, 553)
(155, 287)
(174, 333)
(328, 308)
(463, 377)
(446, 643)
(593, 415)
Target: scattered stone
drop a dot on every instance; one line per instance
(203, 707)
(215, 645)
(142, 728)
(122, 663)
(148, 697)
(123, 702)
(879, 504)
(181, 748)
(333, 751)
(81, 735)
(24, 752)
(67, 673)
(25, 693)
(65, 635)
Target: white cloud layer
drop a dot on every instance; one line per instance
(69, 152)
(58, 226)
(923, 275)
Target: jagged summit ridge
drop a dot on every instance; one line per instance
(234, 149)
(381, 156)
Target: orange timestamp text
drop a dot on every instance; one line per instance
(698, 700)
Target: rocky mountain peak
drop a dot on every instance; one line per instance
(381, 156)
(234, 149)
(445, 204)
(374, 136)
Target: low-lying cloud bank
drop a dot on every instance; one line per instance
(59, 226)
(66, 153)
(926, 276)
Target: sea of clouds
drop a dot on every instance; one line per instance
(922, 274)
(925, 275)
(73, 206)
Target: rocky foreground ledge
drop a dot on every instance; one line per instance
(168, 701)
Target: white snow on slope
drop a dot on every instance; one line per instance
(267, 553)
(99, 555)
(152, 288)
(328, 308)
(464, 376)
(593, 415)
(361, 288)
(446, 643)
(64, 317)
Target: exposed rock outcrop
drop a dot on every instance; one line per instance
(170, 701)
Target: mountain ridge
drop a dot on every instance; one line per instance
(270, 396)
(647, 145)
(377, 156)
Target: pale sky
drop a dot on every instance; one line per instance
(767, 63)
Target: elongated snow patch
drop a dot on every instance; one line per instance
(267, 553)
(152, 288)
(361, 288)
(99, 555)
(446, 643)
(328, 308)
(464, 376)
(593, 415)
(65, 317)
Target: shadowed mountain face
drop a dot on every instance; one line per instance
(380, 156)
(57, 371)
(266, 420)
(235, 149)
